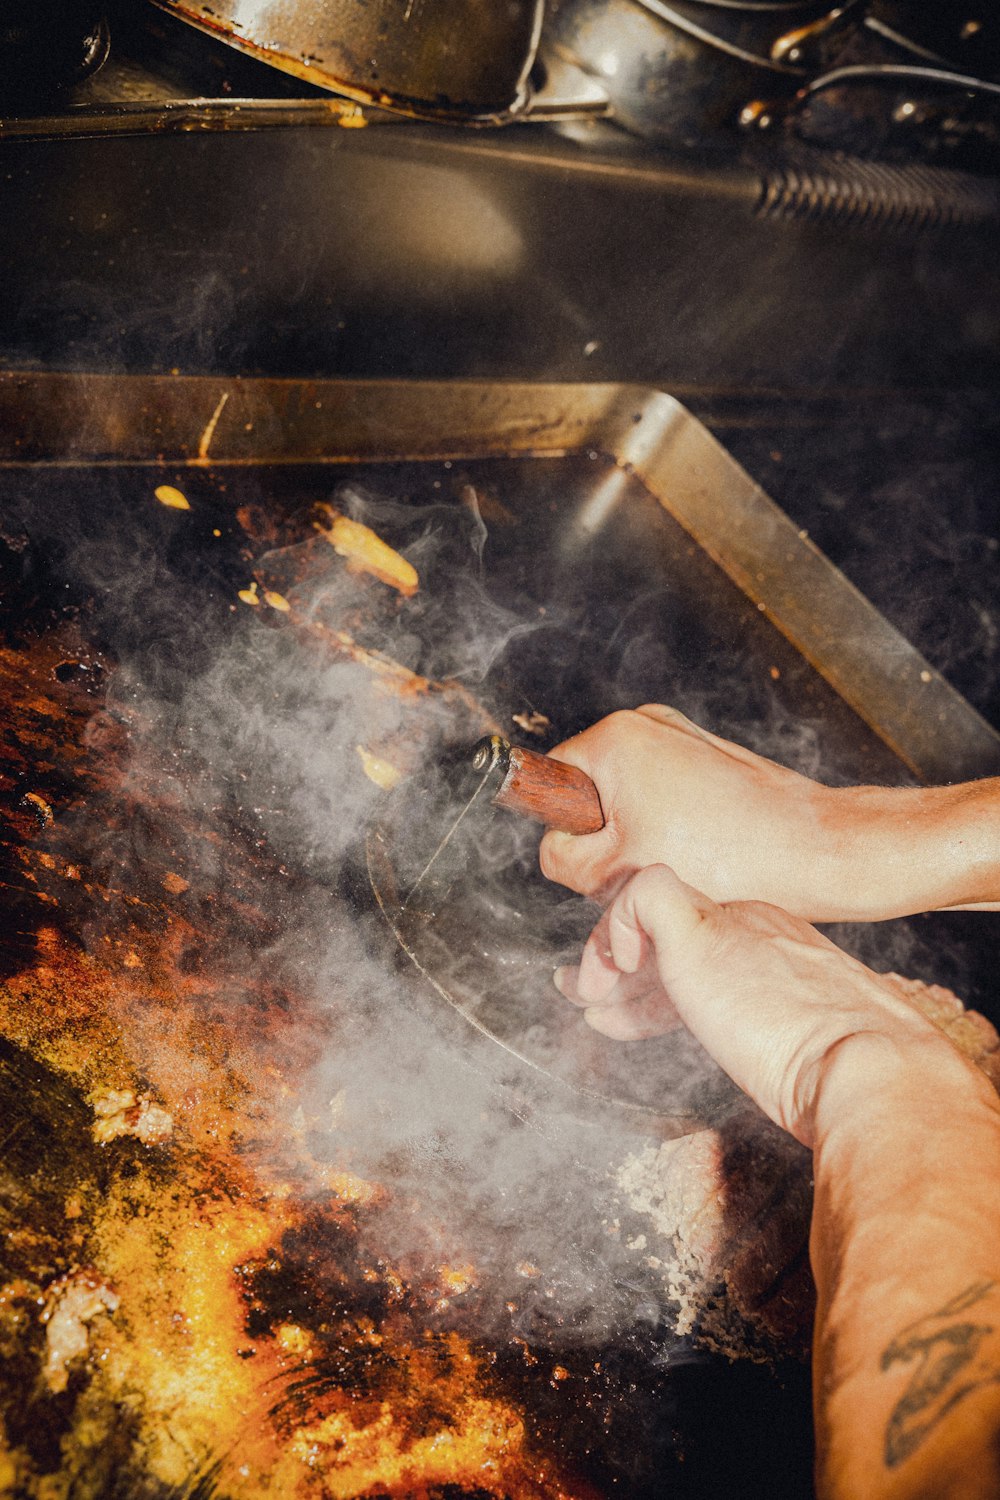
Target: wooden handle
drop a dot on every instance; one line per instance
(558, 795)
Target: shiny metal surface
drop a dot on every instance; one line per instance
(648, 434)
(439, 58)
(682, 70)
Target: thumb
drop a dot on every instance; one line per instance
(574, 859)
(655, 907)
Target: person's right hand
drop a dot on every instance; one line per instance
(788, 1015)
(740, 827)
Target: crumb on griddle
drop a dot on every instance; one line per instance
(122, 1112)
(70, 1304)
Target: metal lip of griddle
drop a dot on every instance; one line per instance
(65, 418)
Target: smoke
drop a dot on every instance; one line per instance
(250, 723)
(245, 782)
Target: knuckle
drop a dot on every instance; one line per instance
(618, 726)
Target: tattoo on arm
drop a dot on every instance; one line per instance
(944, 1347)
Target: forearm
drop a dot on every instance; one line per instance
(893, 851)
(742, 828)
(906, 1255)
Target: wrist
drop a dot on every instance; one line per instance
(967, 825)
(902, 850)
(912, 1076)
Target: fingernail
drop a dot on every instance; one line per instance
(562, 978)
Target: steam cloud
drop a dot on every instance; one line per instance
(245, 721)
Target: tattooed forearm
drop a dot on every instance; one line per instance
(945, 1347)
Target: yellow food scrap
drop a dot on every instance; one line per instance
(276, 601)
(249, 596)
(382, 772)
(294, 1340)
(351, 119)
(70, 1304)
(174, 498)
(456, 1279)
(40, 806)
(367, 552)
(121, 1112)
(209, 433)
(351, 1189)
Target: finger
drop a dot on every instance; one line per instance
(659, 905)
(654, 904)
(574, 751)
(627, 987)
(598, 972)
(634, 1020)
(580, 861)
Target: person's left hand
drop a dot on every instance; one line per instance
(772, 1001)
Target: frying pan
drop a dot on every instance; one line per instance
(454, 870)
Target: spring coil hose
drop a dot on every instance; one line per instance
(867, 193)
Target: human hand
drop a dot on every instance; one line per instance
(740, 827)
(771, 1000)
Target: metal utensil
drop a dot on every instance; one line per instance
(485, 932)
(497, 774)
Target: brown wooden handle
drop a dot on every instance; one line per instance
(558, 795)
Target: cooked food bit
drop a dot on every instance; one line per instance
(354, 1190)
(277, 601)
(294, 1341)
(349, 116)
(174, 498)
(121, 1112)
(70, 1304)
(249, 595)
(175, 884)
(532, 723)
(456, 1279)
(39, 806)
(382, 772)
(367, 552)
(210, 426)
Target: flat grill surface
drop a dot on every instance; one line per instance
(317, 1279)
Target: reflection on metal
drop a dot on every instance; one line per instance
(593, 515)
(182, 116)
(446, 59)
(677, 69)
(804, 47)
(62, 418)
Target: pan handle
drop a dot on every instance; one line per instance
(536, 786)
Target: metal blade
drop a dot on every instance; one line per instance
(421, 879)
